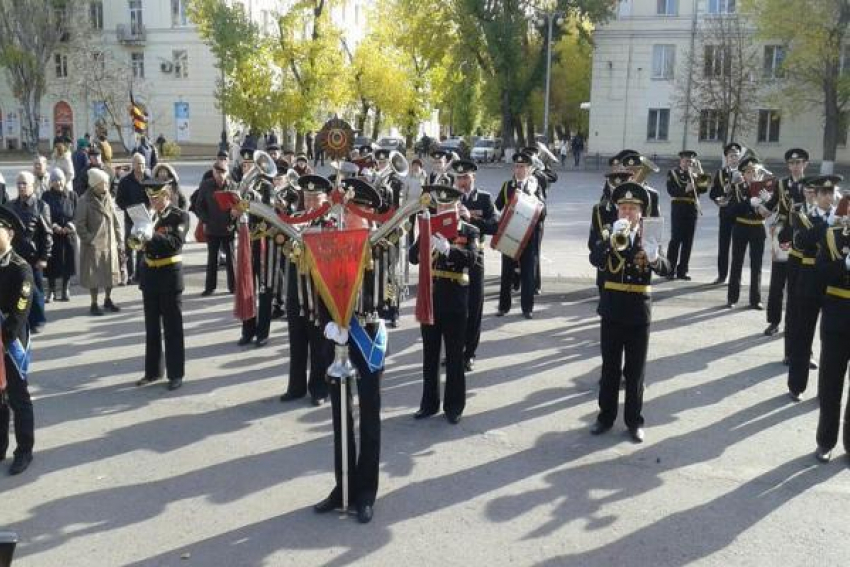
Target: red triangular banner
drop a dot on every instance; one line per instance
(337, 259)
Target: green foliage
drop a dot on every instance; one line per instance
(171, 150)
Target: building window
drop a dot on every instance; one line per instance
(774, 55)
(96, 14)
(668, 8)
(98, 62)
(769, 121)
(137, 63)
(717, 61)
(663, 61)
(178, 13)
(181, 63)
(61, 61)
(657, 124)
(721, 6)
(137, 26)
(712, 126)
(843, 127)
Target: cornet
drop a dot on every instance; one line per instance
(138, 238)
(621, 239)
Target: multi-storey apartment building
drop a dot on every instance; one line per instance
(639, 60)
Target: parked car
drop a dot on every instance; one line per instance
(391, 143)
(487, 149)
(362, 141)
(456, 145)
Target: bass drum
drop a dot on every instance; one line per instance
(517, 225)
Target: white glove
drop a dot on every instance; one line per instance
(737, 177)
(765, 195)
(651, 249)
(335, 334)
(621, 225)
(831, 219)
(847, 262)
(440, 244)
(755, 202)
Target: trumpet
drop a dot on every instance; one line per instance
(137, 239)
(621, 239)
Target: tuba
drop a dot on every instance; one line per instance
(646, 166)
(264, 165)
(397, 164)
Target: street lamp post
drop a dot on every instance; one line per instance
(547, 19)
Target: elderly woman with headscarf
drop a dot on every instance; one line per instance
(100, 240)
(62, 160)
(63, 204)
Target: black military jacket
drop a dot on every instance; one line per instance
(169, 235)
(487, 221)
(16, 285)
(835, 278)
(36, 243)
(809, 232)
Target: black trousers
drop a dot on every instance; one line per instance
(307, 344)
(683, 220)
(476, 308)
(617, 340)
(451, 329)
(362, 467)
(806, 314)
(744, 235)
(214, 244)
(792, 274)
(37, 316)
(527, 263)
(724, 240)
(20, 406)
(834, 356)
(164, 316)
(538, 285)
(776, 295)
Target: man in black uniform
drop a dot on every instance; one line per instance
(721, 193)
(809, 231)
(440, 169)
(219, 226)
(35, 243)
(131, 192)
(684, 189)
(522, 181)
(476, 208)
(306, 341)
(545, 177)
(748, 231)
(833, 263)
(16, 286)
(161, 283)
(635, 162)
(387, 258)
(783, 268)
(367, 343)
(625, 309)
(604, 214)
(450, 292)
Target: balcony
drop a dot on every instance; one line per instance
(130, 34)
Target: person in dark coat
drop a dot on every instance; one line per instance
(132, 192)
(61, 265)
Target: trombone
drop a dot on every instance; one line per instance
(700, 180)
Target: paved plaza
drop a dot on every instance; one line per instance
(220, 473)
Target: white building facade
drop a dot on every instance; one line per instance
(639, 58)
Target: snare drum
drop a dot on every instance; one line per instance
(517, 224)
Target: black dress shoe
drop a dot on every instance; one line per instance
(289, 396)
(423, 413)
(207, 292)
(329, 504)
(364, 513)
(730, 305)
(110, 306)
(685, 277)
(528, 315)
(453, 418)
(795, 396)
(719, 281)
(823, 455)
(318, 402)
(175, 384)
(393, 324)
(771, 330)
(812, 364)
(469, 365)
(757, 306)
(262, 342)
(244, 341)
(599, 428)
(670, 277)
(500, 313)
(20, 463)
(637, 434)
(95, 310)
(147, 380)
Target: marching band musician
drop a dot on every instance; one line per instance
(720, 193)
(833, 264)
(391, 192)
(748, 231)
(625, 308)
(684, 191)
(306, 342)
(809, 231)
(367, 343)
(440, 174)
(522, 181)
(604, 214)
(544, 178)
(454, 260)
(161, 283)
(16, 289)
(788, 195)
(634, 162)
(476, 208)
(286, 201)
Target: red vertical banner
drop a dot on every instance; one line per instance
(337, 259)
(424, 298)
(244, 307)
